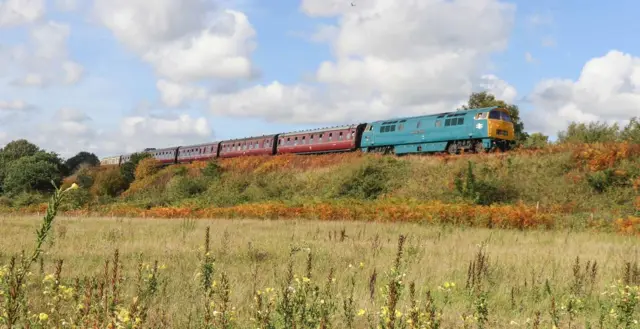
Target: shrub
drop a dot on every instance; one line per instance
(602, 180)
(180, 187)
(109, 183)
(128, 168)
(25, 199)
(482, 192)
(84, 177)
(212, 170)
(147, 167)
(5, 201)
(536, 141)
(77, 198)
(371, 179)
(594, 132)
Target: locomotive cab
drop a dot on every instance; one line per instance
(499, 124)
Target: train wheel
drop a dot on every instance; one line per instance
(478, 147)
(452, 148)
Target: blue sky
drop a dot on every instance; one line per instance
(86, 75)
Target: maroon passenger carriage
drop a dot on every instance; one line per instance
(322, 140)
(199, 152)
(164, 155)
(257, 145)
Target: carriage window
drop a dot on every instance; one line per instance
(340, 136)
(320, 138)
(349, 136)
(311, 139)
(330, 136)
(494, 115)
(304, 141)
(418, 124)
(447, 122)
(400, 127)
(393, 128)
(460, 121)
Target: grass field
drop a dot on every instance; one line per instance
(475, 278)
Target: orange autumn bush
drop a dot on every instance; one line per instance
(629, 225)
(147, 167)
(596, 157)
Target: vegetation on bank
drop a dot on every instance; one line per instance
(589, 177)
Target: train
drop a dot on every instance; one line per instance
(475, 130)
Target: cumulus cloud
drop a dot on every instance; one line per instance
(608, 89)
(174, 94)
(14, 105)
(71, 130)
(201, 42)
(391, 58)
(73, 72)
(67, 5)
(499, 88)
(19, 12)
(44, 59)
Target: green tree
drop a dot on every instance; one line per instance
(32, 173)
(83, 157)
(485, 99)
(631, 132)
(594, 132)
(18, 149)
(14, 150)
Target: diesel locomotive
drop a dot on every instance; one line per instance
(474, 130)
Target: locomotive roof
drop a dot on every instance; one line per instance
(479, 109)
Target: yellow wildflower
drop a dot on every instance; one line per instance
(43, 317)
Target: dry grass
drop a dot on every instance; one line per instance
(525, 272)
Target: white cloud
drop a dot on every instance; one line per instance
(540, 19)
(608, 90)
(499, 88)
(142, 24)
(141, 132)
(529, 58)
(173, 94)
(73, 72)
(549, 41)
(70, 114)
(44, 59)
(67, 5)
(15, 105)
(181, 126)
(184, 40)
(19, 12)
(391, 58)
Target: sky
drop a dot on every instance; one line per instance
(117, 76)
